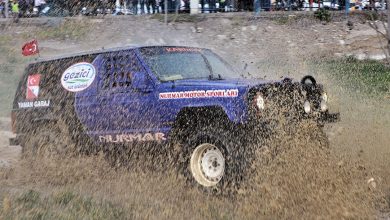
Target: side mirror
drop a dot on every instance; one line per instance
(141, 82)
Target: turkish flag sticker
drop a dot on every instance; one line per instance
(33, 86)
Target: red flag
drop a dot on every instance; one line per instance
(33, 86)
(30, 48)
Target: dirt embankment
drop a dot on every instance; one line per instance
(349, 180)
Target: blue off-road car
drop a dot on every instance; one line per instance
(158, 96)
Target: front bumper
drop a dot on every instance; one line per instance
(329, 117)
(322, 117)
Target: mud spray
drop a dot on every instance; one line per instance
(294, 176)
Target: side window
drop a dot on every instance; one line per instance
(118, 69)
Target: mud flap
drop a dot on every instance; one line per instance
(14, 141)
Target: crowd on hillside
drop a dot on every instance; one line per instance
(31, 8)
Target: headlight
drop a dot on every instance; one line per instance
(259, 101)
(306, 106)
(324, 97)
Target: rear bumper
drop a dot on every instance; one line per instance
(14, 141)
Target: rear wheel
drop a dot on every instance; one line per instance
(48, 140)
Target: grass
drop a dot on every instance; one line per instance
(362, 76)
(11, 66)
(66, 30)
(62, 205)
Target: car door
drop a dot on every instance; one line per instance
(118, 107)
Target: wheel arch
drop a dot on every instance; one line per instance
(203, 114)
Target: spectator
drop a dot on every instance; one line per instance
(202, 3)
(212, 6)
(222, 4)
(151, 3)
(40, 4)
(2, 8)
(134, 5)
(171, 6)
(128, 5)
(333, 4)
(161, 3)
(15, 10)
(187, 8)
(142, 3)
(30, 6)
(22, 7)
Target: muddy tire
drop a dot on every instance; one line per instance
(48, 140)
(213, 161)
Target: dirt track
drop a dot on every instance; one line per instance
(319, 184)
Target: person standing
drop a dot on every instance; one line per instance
(15, 10)
(202, 3)
(2, 8)
(151, 3)
(187, 8)
(22, 7)
(212, 6)
(142, 4)
(134, 6)
(40, 4)
(222, 4)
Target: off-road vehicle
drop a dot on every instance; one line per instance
(123, 98)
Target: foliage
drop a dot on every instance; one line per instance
(373, 16)
(368, 76)
(323, 15)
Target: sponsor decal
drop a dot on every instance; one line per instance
(78, 77)
(182, 49)
(127, 138)
(34, 104)
(33, 86)
(199, 94)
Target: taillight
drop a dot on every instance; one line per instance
(13, 122)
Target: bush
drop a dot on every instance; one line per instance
(323, 15)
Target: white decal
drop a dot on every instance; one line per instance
(78, 77)
(42, 103)
(199, 94)
(33, 86)
(121, 138)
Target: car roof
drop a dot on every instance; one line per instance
(102, 50)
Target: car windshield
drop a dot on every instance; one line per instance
(175, 63)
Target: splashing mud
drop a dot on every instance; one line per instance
(295, 176)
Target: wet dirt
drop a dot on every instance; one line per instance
(350, 179)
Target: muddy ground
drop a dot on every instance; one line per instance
(350, 180)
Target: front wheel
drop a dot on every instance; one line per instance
(207, 165)
(213, 160)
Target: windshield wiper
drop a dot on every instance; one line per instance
(211, 77)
